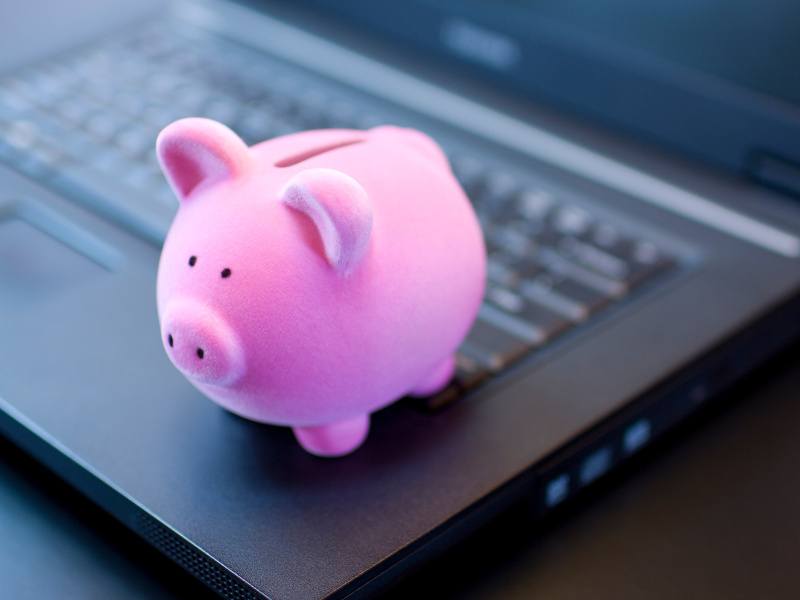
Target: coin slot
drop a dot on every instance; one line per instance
(311, 153)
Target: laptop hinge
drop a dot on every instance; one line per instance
(775, 171)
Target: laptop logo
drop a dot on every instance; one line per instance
(479, 44)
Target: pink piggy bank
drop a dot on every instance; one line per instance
(314, 278)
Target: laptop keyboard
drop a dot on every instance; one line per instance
(86, 123)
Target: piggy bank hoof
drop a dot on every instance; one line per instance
(334, 439)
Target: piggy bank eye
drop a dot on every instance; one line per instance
(192, 261)
(226, 272)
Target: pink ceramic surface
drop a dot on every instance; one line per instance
(314, 278)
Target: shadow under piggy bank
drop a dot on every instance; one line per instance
(267, 456)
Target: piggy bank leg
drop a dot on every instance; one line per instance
(334, 439)
(437, 379)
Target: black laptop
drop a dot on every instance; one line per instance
(636, 169)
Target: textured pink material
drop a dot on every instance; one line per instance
(340, 210)
(314, 293)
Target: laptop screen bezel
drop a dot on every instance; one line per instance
(688, 111)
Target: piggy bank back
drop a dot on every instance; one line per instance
(314, 278)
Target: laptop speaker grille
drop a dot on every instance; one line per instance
(211, 573)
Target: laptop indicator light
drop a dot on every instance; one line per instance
(636, 436)
(595, 465)
(556, 490)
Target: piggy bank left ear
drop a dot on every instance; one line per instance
(197, 152)
(340, 210)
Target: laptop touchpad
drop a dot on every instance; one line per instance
(34, 265)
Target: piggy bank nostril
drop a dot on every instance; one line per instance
(201, 344)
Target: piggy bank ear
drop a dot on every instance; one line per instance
(198, 152)
(340, 210)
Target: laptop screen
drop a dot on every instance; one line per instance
(717, 79)
(754, 45)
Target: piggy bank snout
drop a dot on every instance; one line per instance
(201, 344)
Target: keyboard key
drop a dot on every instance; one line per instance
(642, 258)
(78, 146)
(527, 268)
(500, 272)
(649, 263)
(254, 125)
(160, 84)
(469, 374)
(492, 347)
(47, 87)
(594, 258)
(534, 205)
(547, 322)
(501, 319)
(645, 253)
(103, 126)
(343, 114)
(109, 162)
(565, 268)
(570, 220)
(144, 178)
(499, 188)
(41, 161)
(471, 173)
(544, 319)
(505, 299)
(564, 296)
(20, 134)
(7, 152)
(590, 299)
(510, 240)
(439, 400)
(12, 106)
(469, 371)
(222, 109)
(604, 235)
(159, 115)
(312, 111)
(369, 120)
(135, 141)
(134, 105)
(647, 258)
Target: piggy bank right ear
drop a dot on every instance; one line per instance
(196, 152)
(340, 210)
